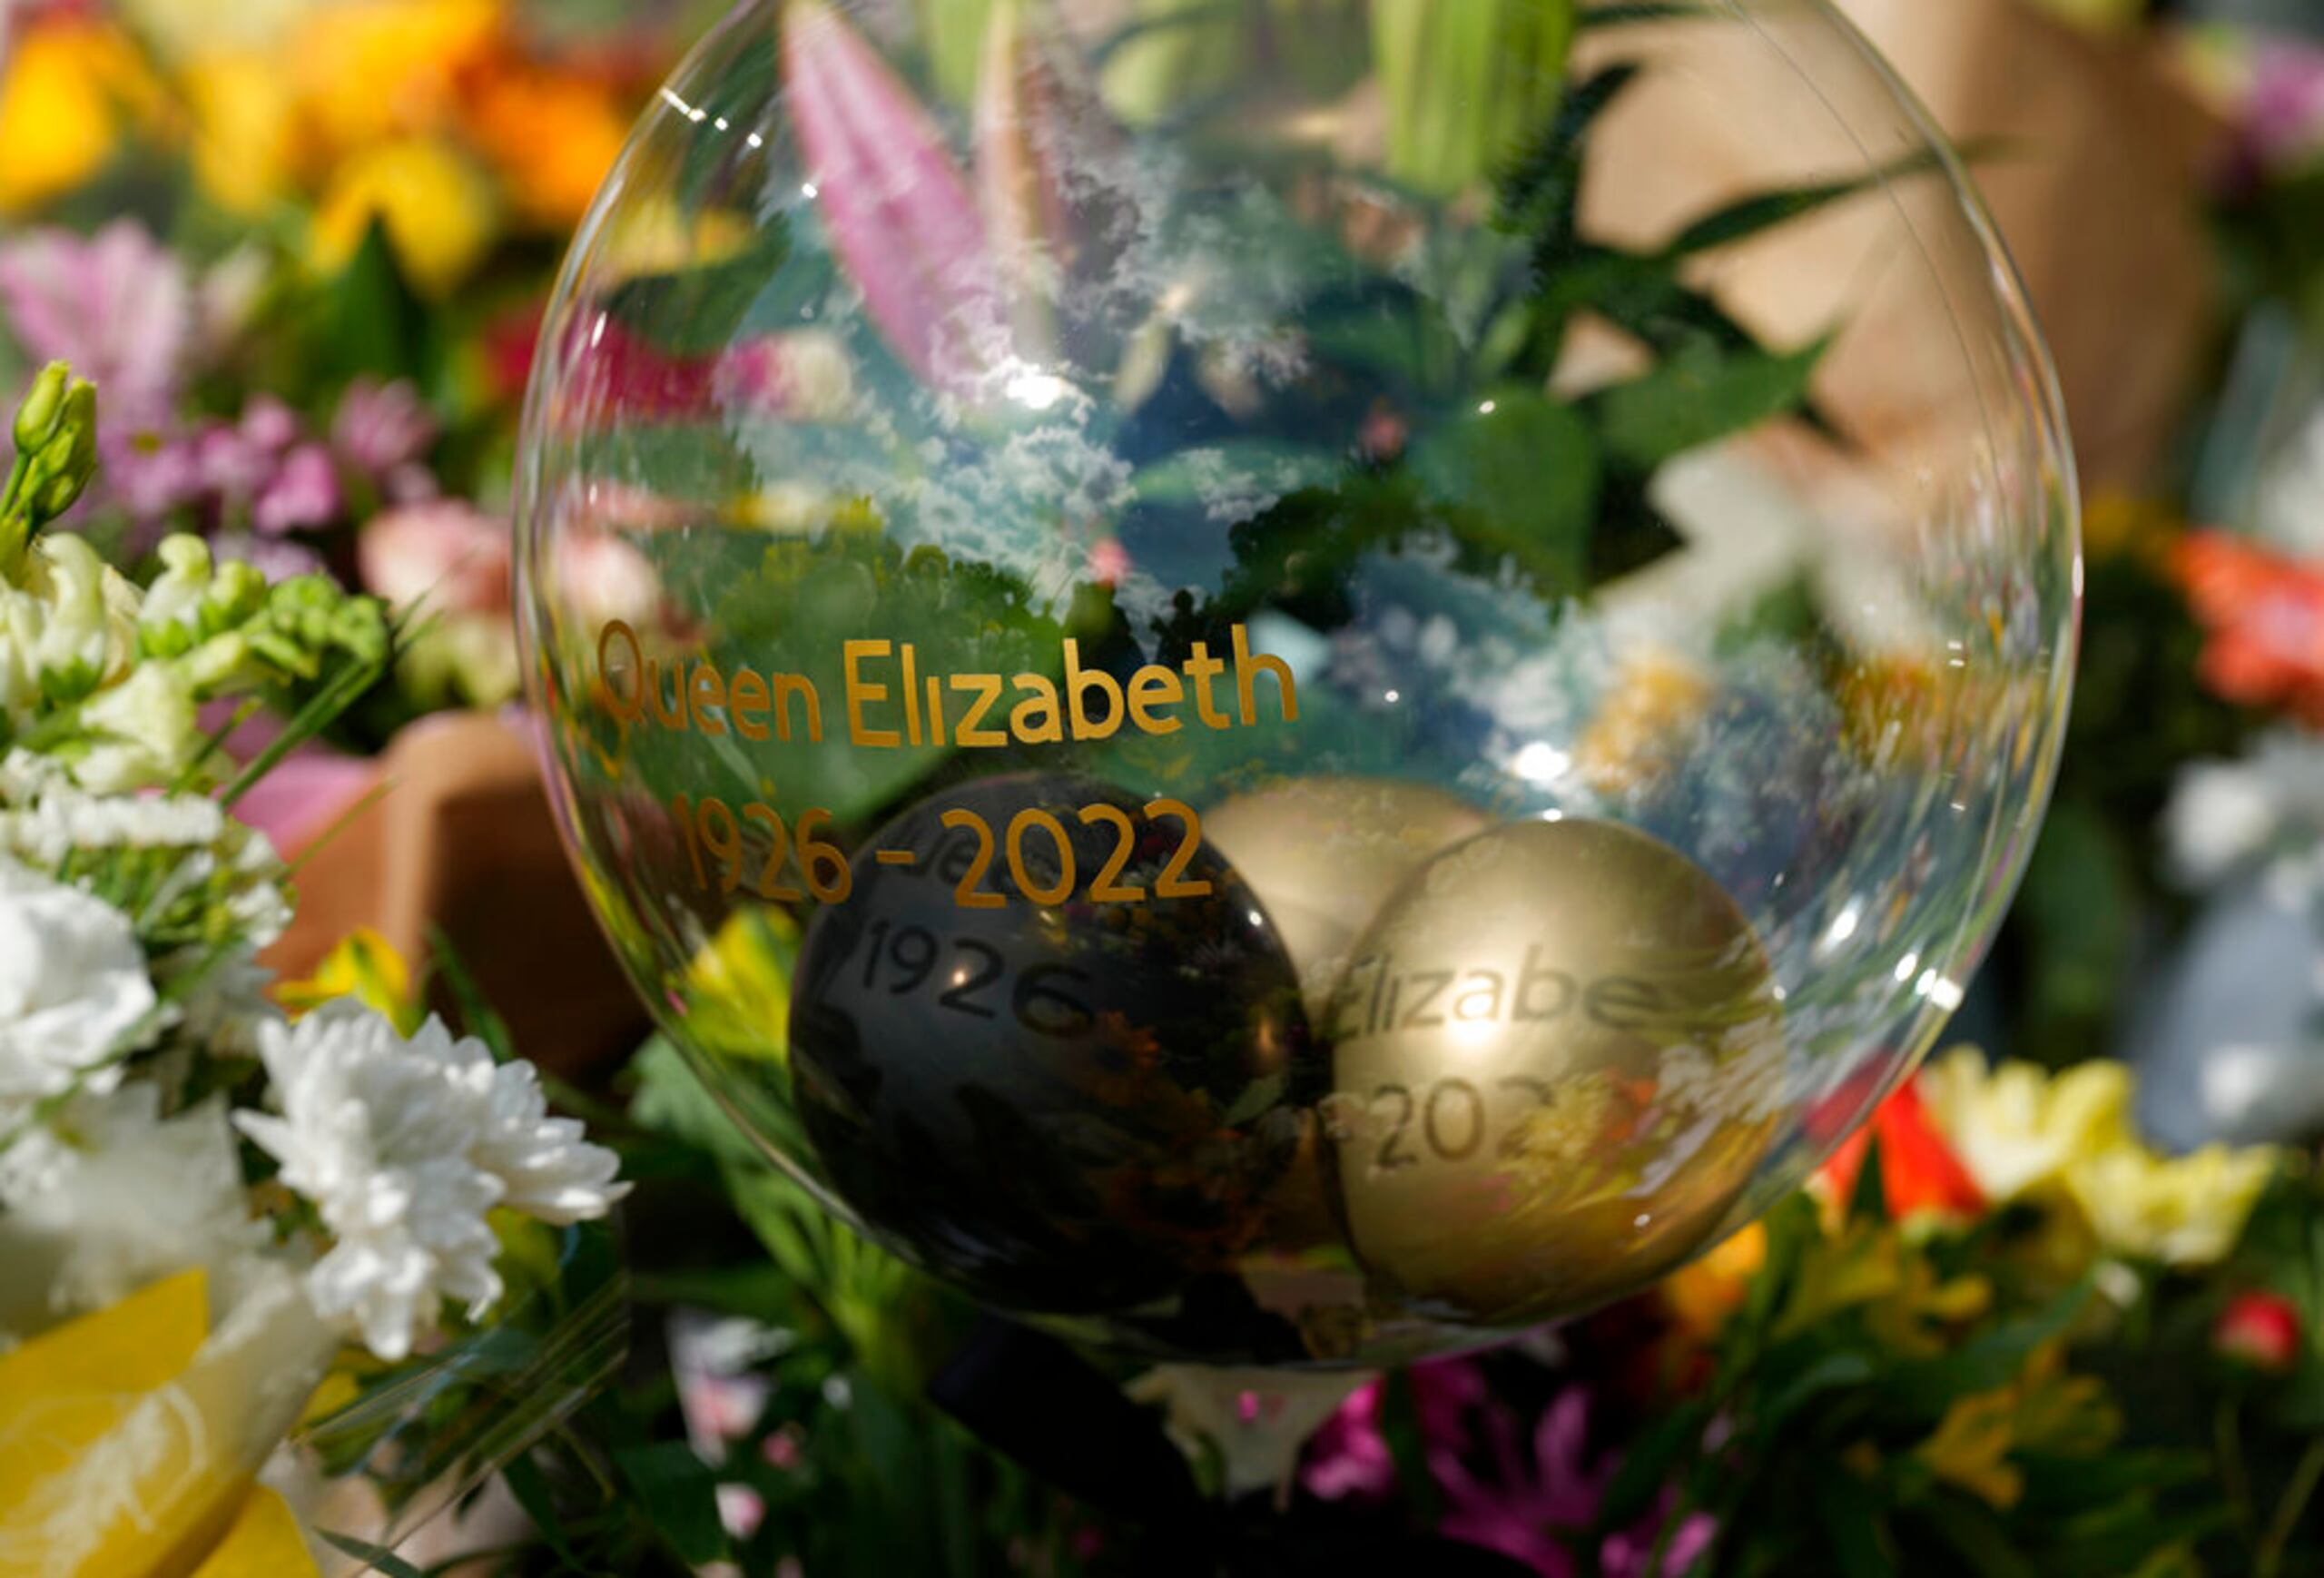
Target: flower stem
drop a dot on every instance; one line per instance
(2270, 1560)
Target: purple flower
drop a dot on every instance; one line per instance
(150, 477)
(382, 430)
(116, 305)
(1522, 1510)
(268, 424)
(2283, 118)
(1630, 1553)
(1349, 1457)
(1528, 1500)
(231, 467)
(303, 493)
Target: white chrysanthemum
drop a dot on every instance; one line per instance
(551, 1169)
(404, 1146)
(74, 989)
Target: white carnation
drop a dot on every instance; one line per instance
(74, 989)
(128, 1194)
(404, 1146)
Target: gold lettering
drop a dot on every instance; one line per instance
(861, 691)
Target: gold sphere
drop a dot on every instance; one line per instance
(1558, 1062)
(1324, 854)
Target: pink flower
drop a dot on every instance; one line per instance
(150, 477)
(231, 467)
(2283, 116)
(268, 424)
(117, 306)
(1349, 1457)
(898, 209)
(381, 428)
(451, 554)
(302, 494)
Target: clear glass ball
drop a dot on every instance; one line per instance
(1302, 682)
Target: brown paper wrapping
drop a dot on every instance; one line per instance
(2094, 172)
(462, 840)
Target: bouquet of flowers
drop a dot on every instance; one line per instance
(229, 1218)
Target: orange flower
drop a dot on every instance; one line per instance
(2263, 613)
(375, 70)
(552, 135)
(1918, 1169)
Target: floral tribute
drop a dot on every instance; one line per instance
(219, 1224)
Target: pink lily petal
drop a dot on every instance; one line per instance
(900, 213)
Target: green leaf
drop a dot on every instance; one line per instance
(1970, 1527)
(1851, 1519)
(1523, 474)
(701, 311)
(380, 1557)
(679, 1494)
(1652, 1463)
(530, 1487)
(1868, 1201)
(1750, 216)
(375, 323)
(1831, 1371)
(1699, 396)
(1991, 1360)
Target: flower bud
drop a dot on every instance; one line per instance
(64, 465)
(42, 410)
(237, 592)
(2259, 1329)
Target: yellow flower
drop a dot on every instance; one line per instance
(245, 119)
(2022, 1132)
(374, 70)
(365, 967)
(73, 88)
(739, 987)
(2043, 1411)
(2187, 1210)
(2017, 1128)
(1971, 1448)
(654, 237)
(131, 1438)
(1701, 1295)
(439, 210)
(1869, 1266)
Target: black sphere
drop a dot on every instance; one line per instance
(1065, 1100)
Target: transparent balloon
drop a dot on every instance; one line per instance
(1298, 683)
